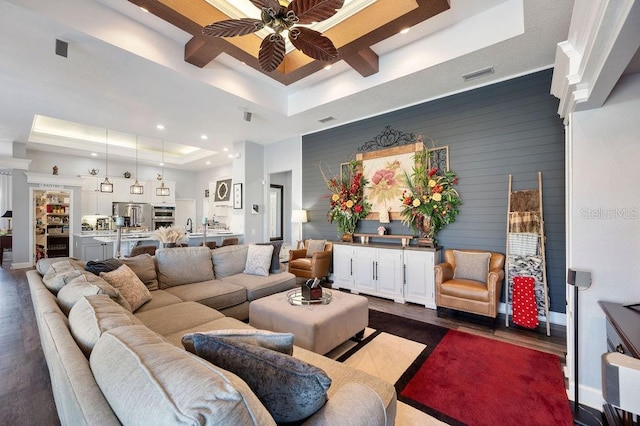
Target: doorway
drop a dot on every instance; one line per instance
(276, 212)
(52, 214)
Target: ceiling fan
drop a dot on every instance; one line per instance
(282, 18)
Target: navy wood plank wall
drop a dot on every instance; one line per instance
(506, 128)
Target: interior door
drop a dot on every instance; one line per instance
(276, 212)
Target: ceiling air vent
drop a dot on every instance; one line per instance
(478, 74)
(326, 119)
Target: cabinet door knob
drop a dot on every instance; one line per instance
(620, 348)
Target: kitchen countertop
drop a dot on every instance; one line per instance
(146, 236)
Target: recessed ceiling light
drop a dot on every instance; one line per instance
(230, 156)
(160, 164)
(404, 31)
(93, 154)
(225, 149)
(208, 163)
(144, 9)
(160, 127)
(328, 67)
(204, 137)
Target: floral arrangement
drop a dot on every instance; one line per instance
(431, 201)
(169, 234)
(348, 204)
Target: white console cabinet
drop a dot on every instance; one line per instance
(419, 276)
(403, 274)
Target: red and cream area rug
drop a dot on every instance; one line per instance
(447, 376)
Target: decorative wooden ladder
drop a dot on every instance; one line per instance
(519, 202)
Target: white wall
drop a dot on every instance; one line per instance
(285, 156)
(604, 219)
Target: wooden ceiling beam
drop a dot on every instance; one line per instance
(365, 61)
(353, 37)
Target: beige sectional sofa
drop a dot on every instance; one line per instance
(112, 366)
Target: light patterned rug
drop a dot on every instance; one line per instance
(440, 377)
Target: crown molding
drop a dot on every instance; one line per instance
(14, 163)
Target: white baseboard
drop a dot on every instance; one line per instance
(21, 265)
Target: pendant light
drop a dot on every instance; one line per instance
(162, 191)
(136, 188)
(106, 186)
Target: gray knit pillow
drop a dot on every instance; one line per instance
(471, 266)
(281, 342)
(290, 389)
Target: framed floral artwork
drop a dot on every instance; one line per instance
(386, 170)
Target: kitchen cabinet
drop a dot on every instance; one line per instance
(419, 276)
(403, 274)
(87, 248)
(94, 202)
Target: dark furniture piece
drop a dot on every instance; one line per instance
(623, 335)
(6, 242)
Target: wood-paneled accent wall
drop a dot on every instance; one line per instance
(506, 128)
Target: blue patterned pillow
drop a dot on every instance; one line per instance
(290, 389)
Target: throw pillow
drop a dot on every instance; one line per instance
(290, 389)
(315, 246)
(144, 267)
(129, 285)
(85, 285)
(281, 342)
(56, 282)
(471, 266)
(275, 257)
(93, 315)
(50, 278)
(97, 266)
(258, 260)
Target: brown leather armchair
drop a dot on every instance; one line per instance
(311, 267)
(477, 297)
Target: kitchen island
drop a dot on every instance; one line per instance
(100, 245)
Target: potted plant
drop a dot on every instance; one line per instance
(347, 202)
(431, 201)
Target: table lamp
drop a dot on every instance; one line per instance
(8, 215)
(299, 217)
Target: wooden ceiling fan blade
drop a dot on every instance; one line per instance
(233, 27)
(271, 53)
(309, 11)
(313, 44)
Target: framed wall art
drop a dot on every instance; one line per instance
(386, 170)
(223, 190)
(439, 157)
(237, 195)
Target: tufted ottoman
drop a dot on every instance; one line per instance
(318, 328)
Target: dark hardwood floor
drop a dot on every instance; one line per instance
(25, 387)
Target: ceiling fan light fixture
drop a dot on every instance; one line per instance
(280, 18)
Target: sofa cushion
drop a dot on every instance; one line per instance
(159, 298)
(183, 265)
(229, 260)
(144, 266)
(471, 266)
(281, 342)
(85, 285)
(257, 286)
(258, 260)
(129, 285)
(107, 265)
(180, 316)
(290, 389)
(215, 293)
(130, 365)
(93, 315)
(315, 246)
(43, 265)
(275, 257)
(60, 273)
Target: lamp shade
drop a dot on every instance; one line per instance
(299, 216)
(8, 213)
